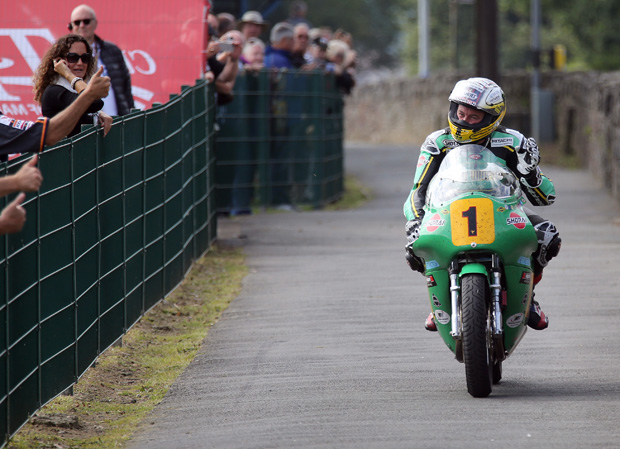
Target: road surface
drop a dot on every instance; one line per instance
(325, 346)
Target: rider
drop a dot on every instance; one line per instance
(477, 107)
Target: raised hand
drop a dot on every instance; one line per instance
(13, 216)
(29, 177)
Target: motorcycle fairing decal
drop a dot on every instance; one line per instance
(435, 223)
(525, 261)
(442, 317)
(526, 277)
(432, 264)
(515, 320)
(430, 282)
(436, 301)
(472, 221)
(516, 220)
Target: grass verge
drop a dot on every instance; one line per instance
(127, 382)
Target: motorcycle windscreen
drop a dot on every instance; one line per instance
(471, 168)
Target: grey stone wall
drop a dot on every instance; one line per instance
(586, 113)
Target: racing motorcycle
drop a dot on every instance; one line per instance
(477, 244)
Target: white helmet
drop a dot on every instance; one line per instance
(478, 93)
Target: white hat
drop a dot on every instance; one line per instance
(252, 17)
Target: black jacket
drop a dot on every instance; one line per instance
(112, 58)
(56, 98)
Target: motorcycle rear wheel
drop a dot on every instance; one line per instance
(477, 341)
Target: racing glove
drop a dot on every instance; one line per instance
(412, 230)
(528, 157)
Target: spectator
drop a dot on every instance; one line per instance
(252, 24)
(317, 56)
(278, 54)
(19, 136)
(341, 63)
(62, 75)
(213, 22)
(225, 82)
(120, 100)
(227, 22)
(300, 45)
(297, 13)
(253, 55)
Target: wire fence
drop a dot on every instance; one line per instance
(120, 220)
(280, 142)
(116, 225)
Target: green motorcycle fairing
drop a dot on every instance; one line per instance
(474, 208)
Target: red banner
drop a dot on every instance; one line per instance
(162, 41)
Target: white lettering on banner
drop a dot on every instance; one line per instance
(20, 38)
(5, 63)
(15, 109)
(140, 56)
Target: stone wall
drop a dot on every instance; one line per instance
(586, 111)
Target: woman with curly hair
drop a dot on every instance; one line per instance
(62, 75)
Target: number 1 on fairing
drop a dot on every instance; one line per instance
(472, 222)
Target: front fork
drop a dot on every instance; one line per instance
(495, 290)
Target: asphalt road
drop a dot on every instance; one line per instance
(325, 346)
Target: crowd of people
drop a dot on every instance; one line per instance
(84, 80)
(251, 43)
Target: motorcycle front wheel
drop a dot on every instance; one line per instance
(477, 342)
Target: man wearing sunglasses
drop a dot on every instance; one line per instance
(120, 100)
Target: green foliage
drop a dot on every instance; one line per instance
(373, 24)
(564, 22)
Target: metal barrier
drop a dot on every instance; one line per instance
(280, 142)
(116, 225)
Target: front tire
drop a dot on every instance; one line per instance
(477, 347)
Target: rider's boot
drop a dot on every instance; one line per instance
(430, 325)
(537, 320)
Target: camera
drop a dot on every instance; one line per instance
(227, 44)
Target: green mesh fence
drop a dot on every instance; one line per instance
(280, 142)
(116, 225)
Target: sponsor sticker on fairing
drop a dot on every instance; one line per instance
(516, 220)
(515, 320)
(524, 261)
(442, 317)
(430, 281)
(435, 222)
(526, 277)
(436, 301)
(432, 264)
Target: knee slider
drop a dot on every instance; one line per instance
(414, 262)
(549, 242)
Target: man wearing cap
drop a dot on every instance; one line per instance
(252, 24)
